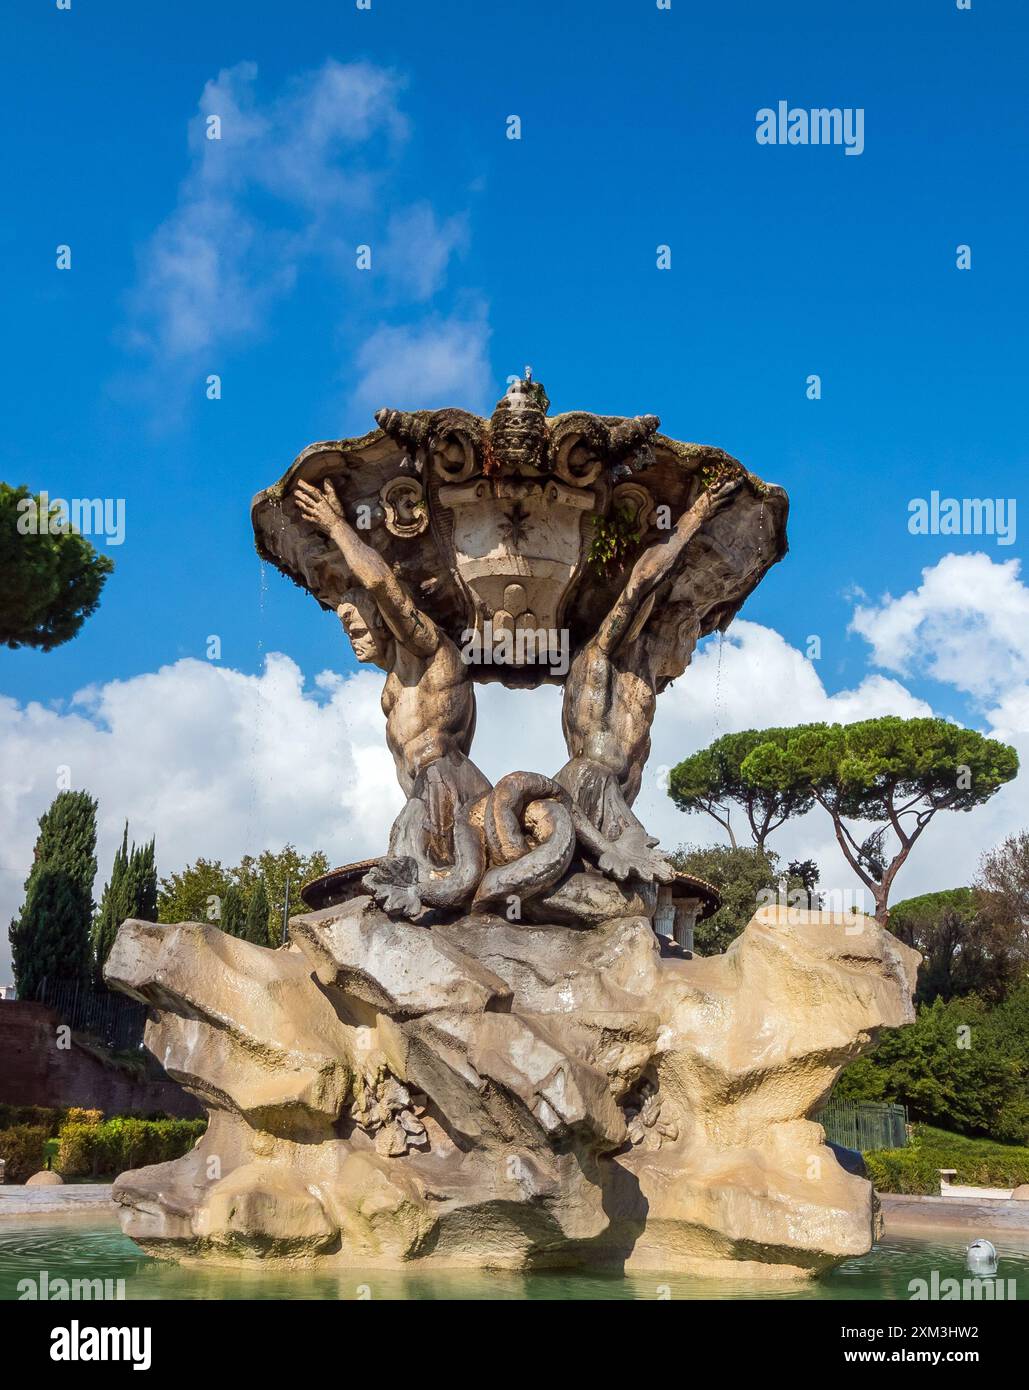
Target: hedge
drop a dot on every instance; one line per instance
(48, 1116)
(23, 1150)
(916, 1170)
(92, 1150)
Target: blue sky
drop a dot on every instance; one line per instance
(638, 129)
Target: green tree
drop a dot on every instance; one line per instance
(195, 893)
(50, 577)
(1009, 1028)
(234, 912)
(272, 868)
(1002, 890)
(963, 950)
(742, 877)
(143, 881)
(258, 924)
(896, 774)
(959, 1065)
(712, 780)
(131, 891)
(50, 938)
(806, 873)
(198, 892)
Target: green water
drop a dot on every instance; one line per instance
(94, 1248)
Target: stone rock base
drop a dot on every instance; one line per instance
(511, 1096)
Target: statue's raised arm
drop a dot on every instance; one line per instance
(408, 624)
(611, 698)
(658, 563)
(435, 858)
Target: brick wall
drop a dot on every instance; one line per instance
(35, 1071)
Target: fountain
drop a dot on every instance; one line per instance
(491, 1047)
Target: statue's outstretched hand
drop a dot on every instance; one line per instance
(633, 855)
(393, 883)
(320, 507)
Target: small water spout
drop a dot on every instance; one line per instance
(981, 1257)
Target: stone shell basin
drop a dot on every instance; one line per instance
(516, 549)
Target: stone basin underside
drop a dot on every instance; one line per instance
(513, 1096)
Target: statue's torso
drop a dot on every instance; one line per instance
(609, 705)
(429, 704)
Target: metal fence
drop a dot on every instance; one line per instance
(865, 1125)
(111, 1018)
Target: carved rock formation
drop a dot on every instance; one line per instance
(510, 1095)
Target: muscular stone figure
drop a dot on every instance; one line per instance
(611, 696)
(436, 856)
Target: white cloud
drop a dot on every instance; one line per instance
(217, 763)
(1009, 718)
(302, 177)
(437, 362)
(965, 625)
(210, 761)
(211, 269)
(418, 249)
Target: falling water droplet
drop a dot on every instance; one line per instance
(262, 601)
(257, 730)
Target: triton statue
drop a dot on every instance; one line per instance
(444, 533)
(429, 703)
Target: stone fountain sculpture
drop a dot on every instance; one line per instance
(492, 1046)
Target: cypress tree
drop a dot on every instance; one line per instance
(257, 916)
(109, 914)
(234, 912)
(131, 891)
(50, 938)
(142, 878)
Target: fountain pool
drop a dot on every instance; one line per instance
(91, 1246)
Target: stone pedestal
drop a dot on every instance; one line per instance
(498, 1094)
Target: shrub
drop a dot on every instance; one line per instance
(78, 1116)
(23, 1150)
(978, 1163)
(49, 1117)
(124, 1142)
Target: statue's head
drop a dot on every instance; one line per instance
(362, 622)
